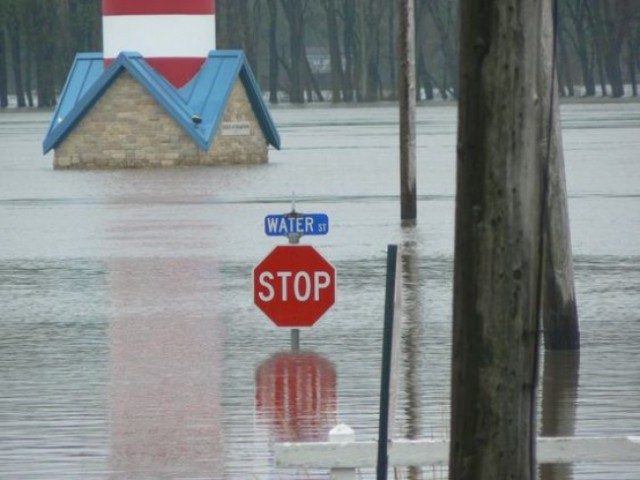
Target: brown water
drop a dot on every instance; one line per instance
(130, 347)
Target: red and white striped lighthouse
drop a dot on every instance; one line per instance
(173, 36)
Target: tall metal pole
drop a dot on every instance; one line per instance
(407, 93)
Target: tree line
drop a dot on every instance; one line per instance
(324, 50)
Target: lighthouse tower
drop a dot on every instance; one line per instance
(173, 36)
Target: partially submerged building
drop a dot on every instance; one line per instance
(147, 108)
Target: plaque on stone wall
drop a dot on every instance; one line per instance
(236, 129)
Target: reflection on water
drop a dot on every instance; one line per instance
(296, 392)
(412, 328)
(559, 403)
(165, 362)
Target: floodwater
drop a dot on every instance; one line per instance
(130, 347)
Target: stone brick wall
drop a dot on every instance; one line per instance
(128, 128)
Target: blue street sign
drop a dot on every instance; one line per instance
(296, 223)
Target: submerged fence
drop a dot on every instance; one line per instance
(344, 455)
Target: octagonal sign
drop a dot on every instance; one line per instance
(294, 285)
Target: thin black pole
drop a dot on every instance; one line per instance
(385, 381)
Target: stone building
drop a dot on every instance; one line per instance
(129, 115)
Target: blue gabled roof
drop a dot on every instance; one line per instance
(206, 96)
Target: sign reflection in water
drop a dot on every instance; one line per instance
(296, 393)
(165, 369)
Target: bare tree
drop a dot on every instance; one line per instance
(294, 12)
(633, 61)
(615, 27)
(370, 21)
(422, 75)
(335, 57)
(577, 28)
(86, 25)
(44, 18)
(349, 16)
(391, 51)
(599, 36)
(630, 10)
(226, 25)
(273, 51)
(565, 74)
(596, 23)
(444, 15)
(14, 25)
(4, 92)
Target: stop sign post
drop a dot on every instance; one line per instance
(294, 285)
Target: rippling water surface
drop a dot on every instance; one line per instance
(130, 347)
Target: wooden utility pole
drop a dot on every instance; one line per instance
(559, 311)
(407, 99)
(497, 237)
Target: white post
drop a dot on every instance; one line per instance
(342, 434)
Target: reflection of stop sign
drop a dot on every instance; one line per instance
(294, 285)
(297, 394)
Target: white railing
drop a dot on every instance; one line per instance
(343, 455)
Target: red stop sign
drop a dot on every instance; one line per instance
(294, 285)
